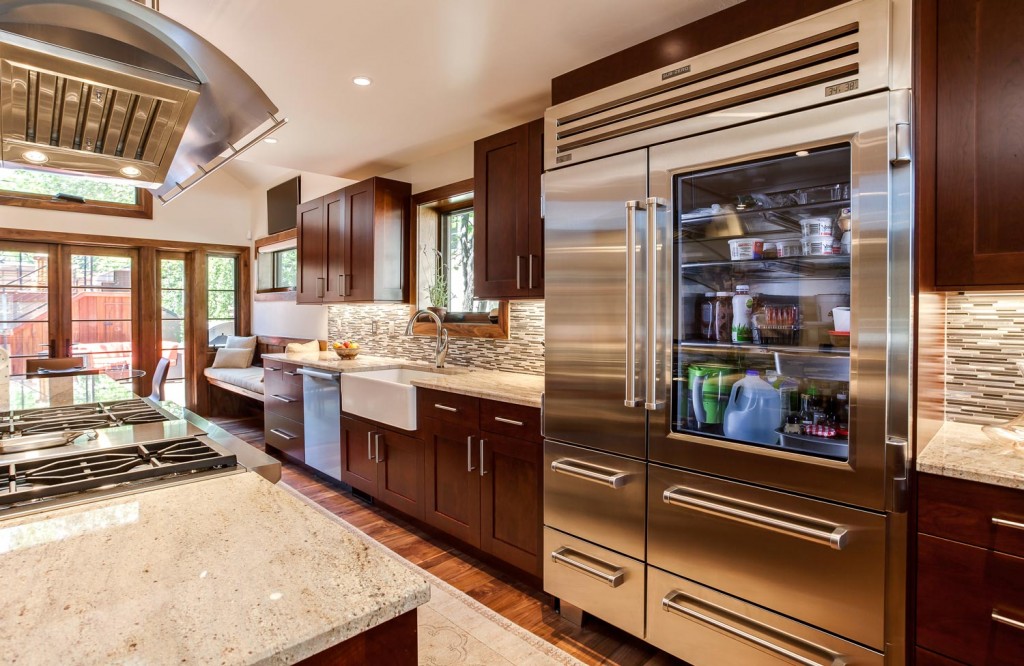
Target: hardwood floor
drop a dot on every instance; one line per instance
(596, 643)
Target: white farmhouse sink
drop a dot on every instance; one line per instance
(386, 396)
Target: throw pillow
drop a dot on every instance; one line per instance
(232, 358)
(312, 346)
(243, 342)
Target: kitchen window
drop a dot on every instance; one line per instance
(40, 189)
(277, 270)
(222, 297)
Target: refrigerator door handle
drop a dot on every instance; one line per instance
(653, 392)
(631, 208)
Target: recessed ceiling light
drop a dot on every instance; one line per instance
(131, 172)
(35, 156)
(362, 81)
(802, 153)
(270, 139)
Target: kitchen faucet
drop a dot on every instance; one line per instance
(441, 349)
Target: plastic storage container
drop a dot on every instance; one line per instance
(752, 413)
(741, 249)
(788, 248)
(816, 226)
(817, 246)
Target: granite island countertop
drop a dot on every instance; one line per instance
(963, 451)
(231, 570)
(56, 391)
(511, 387)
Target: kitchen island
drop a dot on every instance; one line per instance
(228, 569)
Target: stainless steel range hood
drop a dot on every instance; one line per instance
(111, 88)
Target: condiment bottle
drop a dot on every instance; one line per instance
(723, 316)
(742, 308)
(706, 315)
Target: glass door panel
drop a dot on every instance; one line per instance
(762, 318)
(172, 326)
(25, 303)
(221, 297)
(101, 310)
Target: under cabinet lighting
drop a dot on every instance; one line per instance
(362, 81)
(131, 172)
(802, 153)
(35, 156)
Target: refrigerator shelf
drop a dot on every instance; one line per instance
(706, 226)
(837, 265)
(705, 347)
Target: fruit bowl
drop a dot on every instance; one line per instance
(347, 354)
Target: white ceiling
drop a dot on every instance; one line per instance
(445, 72)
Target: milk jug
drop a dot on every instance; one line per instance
(752, 414)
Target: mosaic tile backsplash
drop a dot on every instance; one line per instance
(984, 341)
(522, 352)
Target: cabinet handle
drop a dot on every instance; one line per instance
(445, 407)
(612, 580)
(529, 271)
(342, 286)
(1003, 522)
(282, 433)
(612, 479)
(500, 419)
(519, 263)
(291, 373)
(1008, 621)
(469, 454)
(482, 470)
(369, 445)
(631, 399)
(283, 398)
(320, 282)
(670, 604)
(269, 369)
(833, 536)
(376, 448)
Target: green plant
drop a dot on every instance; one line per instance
(437, 290)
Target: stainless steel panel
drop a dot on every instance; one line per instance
(864, 123)
(595, 496)
(820, 563)
(585, 241)
(604, 583)
(321, 414)
(708, 628)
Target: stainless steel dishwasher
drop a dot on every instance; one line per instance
(321, 414)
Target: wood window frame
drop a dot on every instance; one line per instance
(284, 293)
(142, 209)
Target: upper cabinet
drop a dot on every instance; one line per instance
(974, 62)
(352, 244)
(508, 227)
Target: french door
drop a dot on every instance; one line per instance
(97, 293)
(28, 302)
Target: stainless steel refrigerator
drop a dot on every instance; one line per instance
(725, 464)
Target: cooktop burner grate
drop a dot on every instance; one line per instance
(80, 417)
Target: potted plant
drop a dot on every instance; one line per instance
(437, 290)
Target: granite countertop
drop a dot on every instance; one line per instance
(231, 570)
(963, 451)
(511, 387)
(37, 392)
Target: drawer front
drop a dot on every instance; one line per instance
(447, 407)
(285, 435)
(706, 628)
(976, 513)
(928, 658)
(763, 545)
(281, 377)
(604, 583)
(970, 602)
(283, 401)
(516, 421)
(599, 497)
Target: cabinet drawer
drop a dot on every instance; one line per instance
(762, 545)
(503, 418)
(976, 513)
(285, 435)
(604, 583)
(970, 602)
(284, 402)
(281, 378)
(447, 407)
(691, 622)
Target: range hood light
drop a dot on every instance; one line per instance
(270, 139)
(35, 156)
(131, 172)
(362, 81)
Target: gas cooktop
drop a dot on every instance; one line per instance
(79, 417)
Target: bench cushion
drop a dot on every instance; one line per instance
(250, 378)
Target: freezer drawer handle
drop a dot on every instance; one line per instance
(670, 605)
(612, 580)
(282, 433)
(612, 479)
(833, 536)
(631, 399)
(1010, 622)
(283, 398)
(1003, 522)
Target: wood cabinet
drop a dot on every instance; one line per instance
(353, 244)
(970, 562)
(282, 405)
(971, 66)
(383, 463)
(508, 236)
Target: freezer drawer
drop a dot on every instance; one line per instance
(707, 628)
(596, 496)
(820, 563)
(604, 583)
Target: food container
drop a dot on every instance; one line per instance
(776, 325)
(788, 248)
(840, 338)
(845, 220)
(828, 302)
(820, 194)
(828, 447)
(817, 246)
(816, 226)
(841, 318)
(742, 249)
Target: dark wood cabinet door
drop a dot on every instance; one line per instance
(511, 501)
(359, 214)
(335, 248)
(358, 455)
(979, 144)
(507, 230)
(452, 479)
(309, 220)
(400, 473)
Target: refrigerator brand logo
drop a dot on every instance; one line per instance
(839, 88)
(675, 72)
(562, 159)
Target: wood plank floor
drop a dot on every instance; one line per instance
(596, 643)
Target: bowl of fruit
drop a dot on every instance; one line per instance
(346, 349)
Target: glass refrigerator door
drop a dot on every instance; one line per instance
(762, 315)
